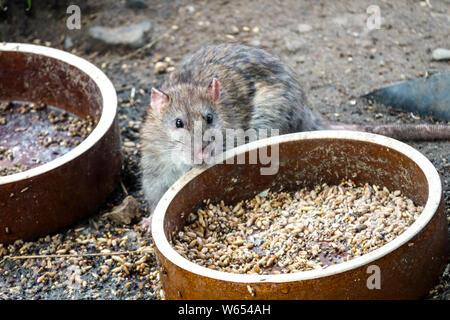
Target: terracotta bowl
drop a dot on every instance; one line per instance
(59, 193)
(408, 266)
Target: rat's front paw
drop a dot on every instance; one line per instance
(147, 224)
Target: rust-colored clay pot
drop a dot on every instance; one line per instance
(408, 266)
(59, 193)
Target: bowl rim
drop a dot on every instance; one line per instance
(108, 112)
(430, 208)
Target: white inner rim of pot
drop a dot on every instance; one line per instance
(108, 112)
(434, 196)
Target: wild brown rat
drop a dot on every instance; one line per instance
(219, 87)
(223, 86)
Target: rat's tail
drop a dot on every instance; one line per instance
(402, 131)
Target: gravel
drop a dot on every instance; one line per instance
(97, 261)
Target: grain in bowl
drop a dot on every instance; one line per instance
(280, 232)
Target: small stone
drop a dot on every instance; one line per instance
(132, 35)
(300, 59)
(303, 28)
(340, 20)
(234, 30)
(440, 54)
(125, 212)
(129, 144)
(255, 43)
(160, 67)
(168, 60)
(68, 42)
(295, 44)
(190, 9)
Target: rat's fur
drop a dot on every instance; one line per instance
(256, 91)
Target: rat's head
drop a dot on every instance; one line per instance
(192, 120)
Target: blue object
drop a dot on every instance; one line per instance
(425, 96)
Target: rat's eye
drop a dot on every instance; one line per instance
(179, 123)
(209, 118)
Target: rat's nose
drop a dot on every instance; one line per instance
(200, 155)
(204, 154)
(205, 144)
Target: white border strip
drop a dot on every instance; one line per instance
(434, 197)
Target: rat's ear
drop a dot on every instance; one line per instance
(214, 90)
(158, 100)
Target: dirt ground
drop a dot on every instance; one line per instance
(337, 59)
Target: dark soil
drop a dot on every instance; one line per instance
(337, 60)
